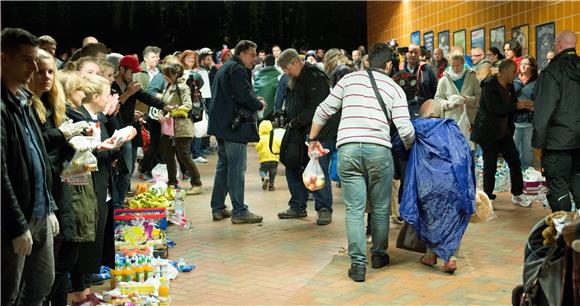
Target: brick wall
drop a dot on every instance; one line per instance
(386, 20)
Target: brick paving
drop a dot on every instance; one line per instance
(296, 262)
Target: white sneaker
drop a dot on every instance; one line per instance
(200, 160)
(522, 200)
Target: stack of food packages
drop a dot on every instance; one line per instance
(140, 279)
(502, 175)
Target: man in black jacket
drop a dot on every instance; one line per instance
(557, 123)
(494, 129)
(232, 120)
(28, 221)
(307, 87)
(129, 92)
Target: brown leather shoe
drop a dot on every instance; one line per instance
(450, 266)
(428, 261)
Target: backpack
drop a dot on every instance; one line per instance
(197, 109)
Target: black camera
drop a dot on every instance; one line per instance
(240, 117)
(280, 118)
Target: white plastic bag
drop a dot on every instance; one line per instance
(313, 176)
(483, 208)
(200, 127)
(75, 171)
(159, 172)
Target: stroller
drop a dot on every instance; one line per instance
(547, 272)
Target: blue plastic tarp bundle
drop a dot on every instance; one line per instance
(439, 188)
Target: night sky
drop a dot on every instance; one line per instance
(127, 27)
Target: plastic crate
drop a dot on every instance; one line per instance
(158, 215)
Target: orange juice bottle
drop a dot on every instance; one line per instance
(163, 291)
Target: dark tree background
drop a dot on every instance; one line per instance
(127, 27)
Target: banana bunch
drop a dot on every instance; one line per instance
(179, 113)
(153, 200)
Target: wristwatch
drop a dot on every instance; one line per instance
(311, 140)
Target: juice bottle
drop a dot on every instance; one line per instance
(127, 272)
(140, 272)
(163, 291)
(148, 269)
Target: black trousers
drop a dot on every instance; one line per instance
(562, 172)
(150, 158)
(507, 148)
(65, 263)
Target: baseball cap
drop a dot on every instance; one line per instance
(205, 51)
(130, 62)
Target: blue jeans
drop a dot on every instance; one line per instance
(230, 177)
(196, 148)
(299, 193)
(122, 180)
(523, 141)
(366, 173)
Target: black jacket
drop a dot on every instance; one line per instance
(231, 93)
(557, 104)
(126, 114)
(494, 112)
(310, 89)
(17, 172)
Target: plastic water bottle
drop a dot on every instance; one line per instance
(542, 197)
(180, 214)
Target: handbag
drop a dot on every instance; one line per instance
(200, 127)
(293, 151)
(408, 240)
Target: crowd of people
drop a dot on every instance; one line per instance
(350, 104)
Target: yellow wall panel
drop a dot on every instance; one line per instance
(388, 20)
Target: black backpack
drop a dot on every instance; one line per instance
(197, 109)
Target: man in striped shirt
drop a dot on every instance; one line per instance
(365, 163)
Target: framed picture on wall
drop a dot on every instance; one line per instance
(416, 38)
(478, 38)
(521, 34)
(459, 38)
(497, 38)
(545, 34)
(443, 42)
(428, 41)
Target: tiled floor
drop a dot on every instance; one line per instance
(296, 262)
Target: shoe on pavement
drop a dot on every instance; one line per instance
(226, 213)
(522, 200)
(271, 188)
(248, 217)
(200, 160)
(357, 272)
(147, 177)
(265, 183)
(194, 190)
(291, 214)
(324, 216)
(379, 261)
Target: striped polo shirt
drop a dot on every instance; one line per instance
(363, 120)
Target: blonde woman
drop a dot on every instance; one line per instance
(458, 87)
(336, 65)
(177, 96)
(100, 251)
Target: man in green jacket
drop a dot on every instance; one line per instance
(265, 85)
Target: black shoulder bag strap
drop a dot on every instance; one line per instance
(272, 142)
(378, 94)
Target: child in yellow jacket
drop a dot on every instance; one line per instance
(268, 159)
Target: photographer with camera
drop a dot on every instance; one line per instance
(232, 120)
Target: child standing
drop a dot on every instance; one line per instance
(268, 159)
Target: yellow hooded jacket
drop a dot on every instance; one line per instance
(263, 147)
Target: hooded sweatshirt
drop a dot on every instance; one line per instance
(263, 146)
